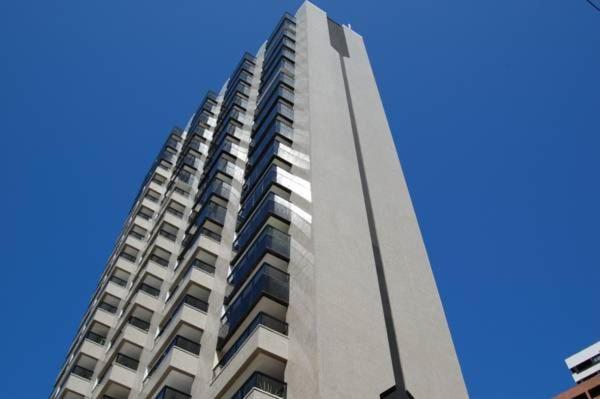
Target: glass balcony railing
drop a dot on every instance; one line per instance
(222, 166)
(285, 49)
(127, 361)
(137, 235)
(171, 393)
(82, 372)
(118, 281)
(263, 382)
(217, 187)
(168, 235)
(285, 37)
(255, 172)
(250, 202)
(270, 240)
(139, 323)
(282, 66)
(211, 211)
(108, 307)
(272, 205)
(127, 256)
(270, 97)
(97, 338)
(269, 282)
(261, 319)
(287, 22)
(179, 342)
(196, 264)
(148, 289)
(289, 31)
(188, 299)
(263, 138)
(283, 77)
(157, 259)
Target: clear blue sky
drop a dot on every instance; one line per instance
(494, 106)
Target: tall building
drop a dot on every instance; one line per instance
(273, 250)
(585, 370)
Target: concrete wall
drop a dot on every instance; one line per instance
(351, 356)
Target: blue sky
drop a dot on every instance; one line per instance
(494, 106)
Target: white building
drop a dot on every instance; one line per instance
(273, 250)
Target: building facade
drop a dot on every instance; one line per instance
(273, 250)
(585, 370)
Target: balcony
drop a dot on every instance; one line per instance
(276, 153)
(196, 272)
(77, 384)
(258, 384)
(177, 342)
(116, 287)
(82, 372)
(107, 307)
(272, 245)
(265, 351)
(139, 323)
(121, 374)
(93, 345)
(279, 93)
(187, 309)
(263, 137)
(268, 291)
(132, 332)
(218, 188)
(261, 319)
(144, 295)
(211, 212)
(284, 183)
(176, 368)
(96, 338)
(104, 316)
(170, 393)
(273, 210)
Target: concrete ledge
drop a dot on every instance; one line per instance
(265, 348)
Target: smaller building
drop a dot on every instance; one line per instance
(585, 370)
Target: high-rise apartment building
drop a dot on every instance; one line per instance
(273, 250)
(585, 370)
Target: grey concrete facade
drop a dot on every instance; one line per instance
(283, 257)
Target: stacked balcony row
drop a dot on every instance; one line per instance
(252, 346)
(105, 356)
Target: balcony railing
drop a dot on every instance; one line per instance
(127, 256)
(97, 338)
(263, 138)
(137, 235)
(127, 361)
(211, 211)
(255, 172)
(148, 289)
(271, 206)
(139, 323)
(168, 235)
(171, 393)
(118, 281)
(108, 307)
(180, 342)
(157, 259)
(272, 175)
(261, 319)
(82, 372)
(268, 281)
(270, 240)
(188, 299)
(217, 187)
(263, 382)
